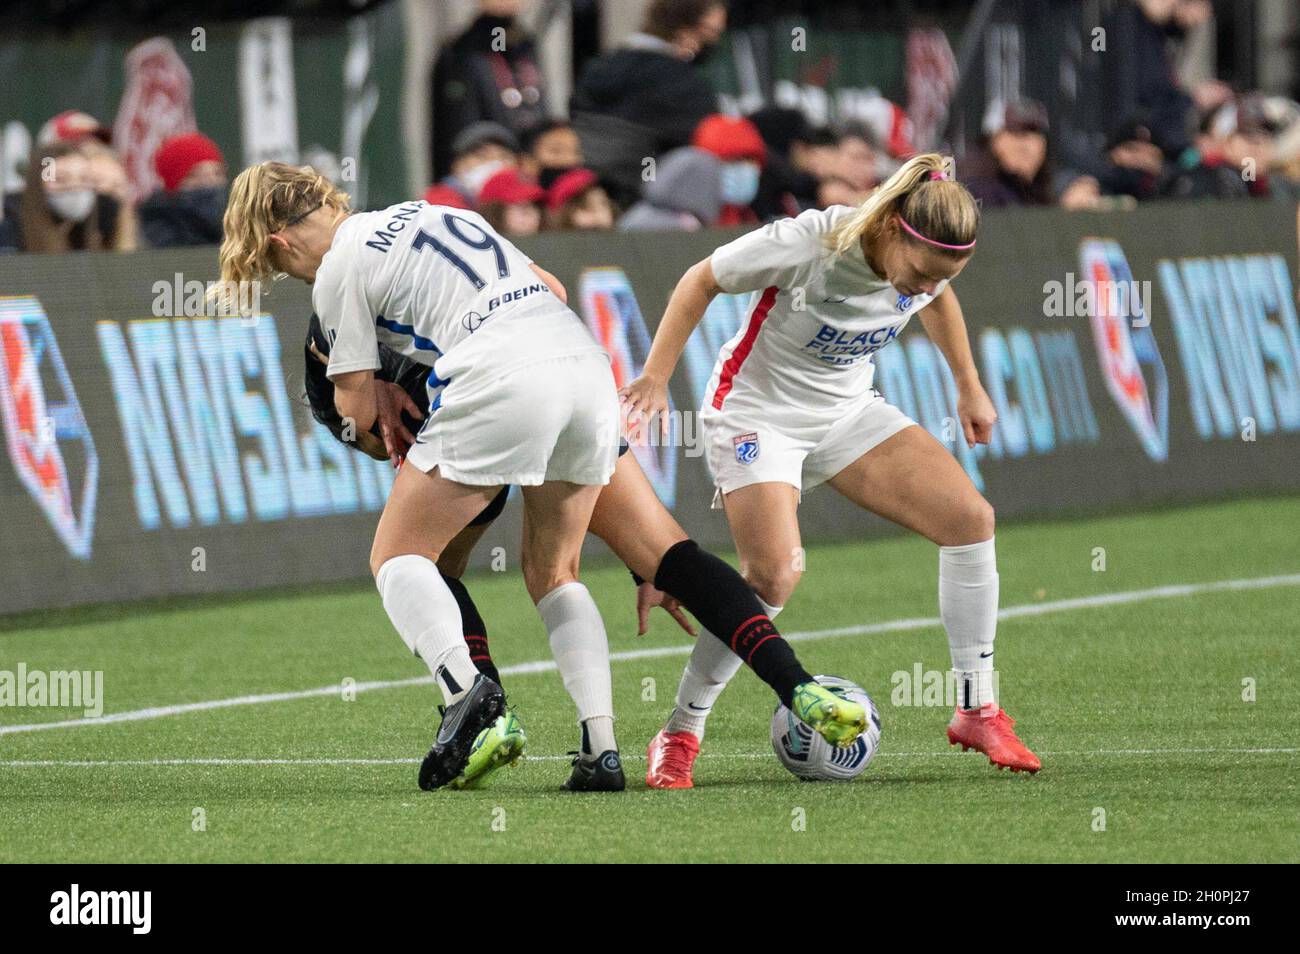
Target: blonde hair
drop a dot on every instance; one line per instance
(923, 194)
(264, 199)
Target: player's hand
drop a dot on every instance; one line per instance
(647, 597)
(390, 401)
(642, 399)
(977, 414)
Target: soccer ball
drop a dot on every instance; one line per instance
(806, 754)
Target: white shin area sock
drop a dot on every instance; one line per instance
(710, 668)
(425, 614)
(968, 606)
(581, 651)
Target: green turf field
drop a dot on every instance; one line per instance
(1135, 707)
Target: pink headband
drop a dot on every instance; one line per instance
(936, 175)
(913, 232)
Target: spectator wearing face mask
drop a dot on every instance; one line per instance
(577, 201)
(487, 74)
(189, 208)
(59, 209)
(82, 144)
(1235, 155)
(737, 143)
(652, 83)
(1135, 162)
(512, 203)
(551, 150)
(480, 152)
(784, 188)
(684, 195)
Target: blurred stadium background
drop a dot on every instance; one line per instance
(1132, 310)
(1132, 305)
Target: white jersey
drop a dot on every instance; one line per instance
(442, 287)
(815, 321)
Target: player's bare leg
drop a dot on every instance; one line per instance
(712, 665)
(556, 515)
(914, 481)
(423, 514)
(671, 754)
(636, 526)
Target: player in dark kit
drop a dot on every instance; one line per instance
(671, 570)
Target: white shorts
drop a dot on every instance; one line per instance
(745, 446)
(552, 419)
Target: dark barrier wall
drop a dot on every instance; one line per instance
(150, 455)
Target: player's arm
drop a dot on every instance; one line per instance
(946, 327)
(648, 394)
(553, 283)
(783, 254)
(354, 398)
(341, 300)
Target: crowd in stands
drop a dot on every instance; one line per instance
(645, 146)
(76, 195)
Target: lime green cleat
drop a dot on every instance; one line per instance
(838, 720)
(500, 744)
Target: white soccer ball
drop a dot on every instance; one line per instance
(810, 757)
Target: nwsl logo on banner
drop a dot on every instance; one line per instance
(43, 419)
(610, 311)
(1130, 360)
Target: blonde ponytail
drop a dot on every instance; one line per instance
(264, 199)
(923, 193)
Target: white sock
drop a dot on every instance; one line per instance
(968, 606)
(425, 614)
(581, 652)
(597, 737)
(708, 671)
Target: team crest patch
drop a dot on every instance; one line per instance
(746, 447)
(904, 302)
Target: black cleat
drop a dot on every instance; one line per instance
(461, 723)
(604, 774)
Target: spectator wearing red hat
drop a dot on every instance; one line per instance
(577, 200)
(439, 194)
(72, 126)
(190, 161)
(189, 208)
(737, 142)
(511, 203)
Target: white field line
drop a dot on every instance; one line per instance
(257, 763)
(547, 665)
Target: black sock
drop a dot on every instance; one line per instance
(720, 598)
(474, 629)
